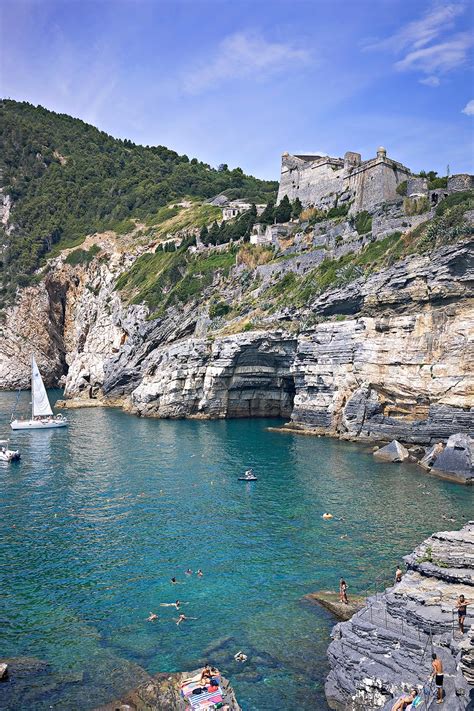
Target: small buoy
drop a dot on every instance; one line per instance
(327, 515)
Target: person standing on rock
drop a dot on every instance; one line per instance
(461, 605)
(398, 575)
(343, 591)
(438, 674)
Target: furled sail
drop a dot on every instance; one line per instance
(39, 399)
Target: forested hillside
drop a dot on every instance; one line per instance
(67, 179)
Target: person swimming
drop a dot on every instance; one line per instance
(152, 617)
(199, 573)
(176, 604)
(182, 618)
(188, 571)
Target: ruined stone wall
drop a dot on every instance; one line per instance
(417, 187)
(463, 181)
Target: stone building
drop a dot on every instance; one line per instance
(269, 234)
(237, 207)
(323, 181)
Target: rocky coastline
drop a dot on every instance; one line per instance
(388, 356)
(385, 649)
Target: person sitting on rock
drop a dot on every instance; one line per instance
(461, 605)
(404, 701)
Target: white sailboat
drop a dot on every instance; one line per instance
(41, 413)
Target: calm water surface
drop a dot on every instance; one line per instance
(95, 520)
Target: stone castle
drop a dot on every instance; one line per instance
(324, 182)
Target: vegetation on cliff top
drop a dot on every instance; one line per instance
(67, 179)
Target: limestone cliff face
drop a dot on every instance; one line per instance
(399, 363)
(385, 649)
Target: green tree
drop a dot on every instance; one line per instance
(204, 235)
(283, 210)
(214, 233)
(296, 208)
(268, 215)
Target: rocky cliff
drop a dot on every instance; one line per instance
(389, 356)
(386, 648)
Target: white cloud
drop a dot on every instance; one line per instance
(439, 57)
(243, 55)
(419, 33)
(430, 81)
(428, 45)
(469, 108)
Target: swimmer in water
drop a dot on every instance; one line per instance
(182, 618)
(152, 617)
(199, 573)
(188, 571)
(176, 604)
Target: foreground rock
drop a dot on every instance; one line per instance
(393, 452)
(330, 601)
(385, 648)
(456, 460)
(161, 692)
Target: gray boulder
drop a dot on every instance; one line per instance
(428, 460)
(457, 459)
(393, 452)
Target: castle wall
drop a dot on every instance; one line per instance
(315, 183)
(319, 181)
(376, 182)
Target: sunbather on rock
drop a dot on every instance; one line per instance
(404, 701)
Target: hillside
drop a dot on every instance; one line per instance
(66, 179)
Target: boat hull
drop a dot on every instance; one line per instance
(10, 455)
(37, 424)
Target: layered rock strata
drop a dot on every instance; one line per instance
(399, 365)
(385, 649)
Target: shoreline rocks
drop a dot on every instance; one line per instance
(392, 452)
(330, 601)
(162, 691)
(385, 648)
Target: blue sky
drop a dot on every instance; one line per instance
(240, 82)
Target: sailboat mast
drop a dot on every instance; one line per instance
(32, 389)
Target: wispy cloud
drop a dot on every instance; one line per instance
(441, 57)
(242, 55)
(429, 45)
(421, 32)
(469, 108)
(430, 81)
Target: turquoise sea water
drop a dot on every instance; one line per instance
(96, 519)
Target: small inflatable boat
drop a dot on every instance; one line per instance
(248, 476)
(8, 455)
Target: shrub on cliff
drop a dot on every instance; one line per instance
(363, 222)
(82, 256)
(416, 206)
(402, 188)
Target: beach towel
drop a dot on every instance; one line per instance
(203, 700)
